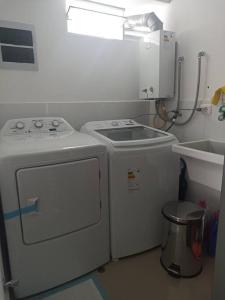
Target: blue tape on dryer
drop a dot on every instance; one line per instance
(21, 211)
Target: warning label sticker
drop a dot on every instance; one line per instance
(133, 179)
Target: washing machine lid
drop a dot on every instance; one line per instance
(130, 133)
(126, 133)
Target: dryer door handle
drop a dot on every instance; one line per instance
(33, 205)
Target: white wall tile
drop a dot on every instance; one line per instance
(21, 110)
(79, 113)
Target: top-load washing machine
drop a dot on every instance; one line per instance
(143, 176)
(54, 197)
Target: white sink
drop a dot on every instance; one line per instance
(205, 159)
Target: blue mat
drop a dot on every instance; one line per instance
(87, 287)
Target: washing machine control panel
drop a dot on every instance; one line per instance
(112, 124)
(42, 127)
(123, 123)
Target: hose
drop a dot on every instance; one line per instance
(200, 55)
(156, 123)
(161, 114)
(171, 125)
(176, 113)
(180, 61)
(173, 120)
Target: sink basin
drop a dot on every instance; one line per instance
(205, 159)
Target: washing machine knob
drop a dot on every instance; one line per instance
(38, 124)
(115, 123)
(20, 125)
(55, 123)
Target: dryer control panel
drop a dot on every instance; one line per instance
(43, 127)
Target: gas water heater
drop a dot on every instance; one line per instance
(157, 65)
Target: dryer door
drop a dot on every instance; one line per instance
(64, 197)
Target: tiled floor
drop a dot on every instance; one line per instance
(141, 277)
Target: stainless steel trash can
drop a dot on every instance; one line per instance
(182, 240)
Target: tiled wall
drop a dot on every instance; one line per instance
(77, 113)
(199, 25)
(202, 126)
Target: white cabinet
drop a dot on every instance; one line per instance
(157, 66)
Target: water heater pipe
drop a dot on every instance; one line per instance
(149, 20)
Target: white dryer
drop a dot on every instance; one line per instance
(54, 194)
(143, 175)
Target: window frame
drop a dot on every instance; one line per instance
(70, 6)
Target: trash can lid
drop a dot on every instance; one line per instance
(182, 212)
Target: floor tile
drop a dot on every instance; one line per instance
(141, 277)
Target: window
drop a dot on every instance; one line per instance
(95, 19)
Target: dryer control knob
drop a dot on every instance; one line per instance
(55, 123)
(20, 125)
(38, 124)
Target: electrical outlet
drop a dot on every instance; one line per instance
(206, 108)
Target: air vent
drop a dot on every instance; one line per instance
(17, 46)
